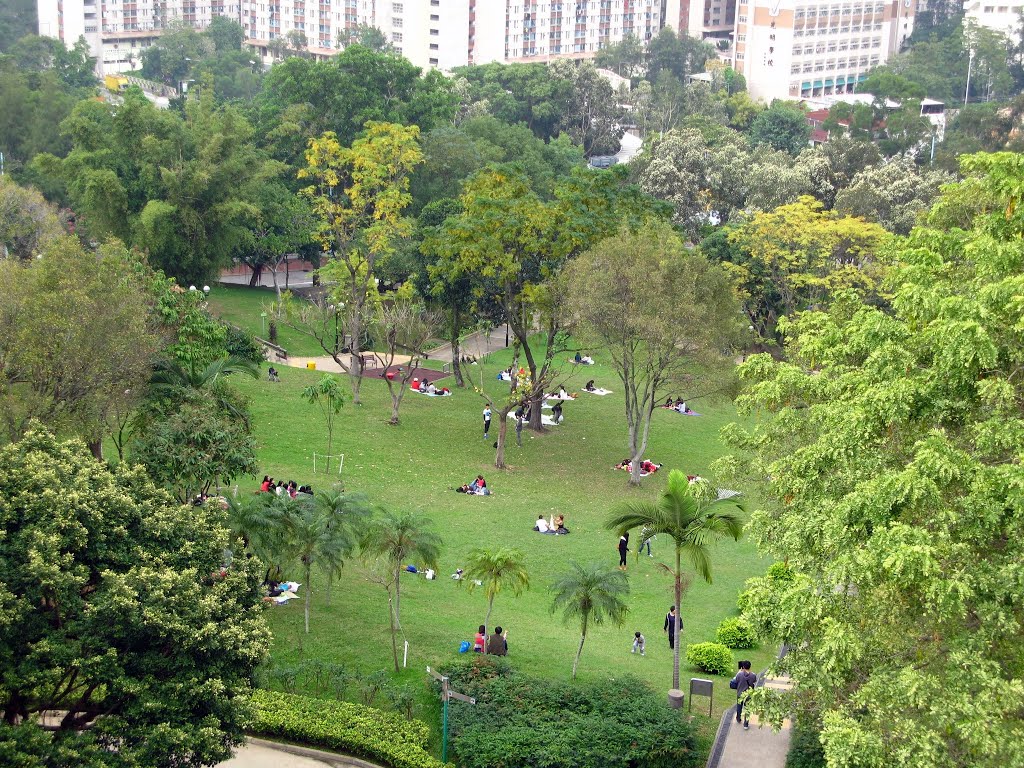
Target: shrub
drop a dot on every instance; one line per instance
(736, 633)
(710, 657)
(805, 750)
(522, 721)
(383, 737)
(243, 344)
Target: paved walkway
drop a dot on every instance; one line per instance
(258, 753)
(760, 747)
(475, 345)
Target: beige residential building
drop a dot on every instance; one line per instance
(997, 15)
(795, 49)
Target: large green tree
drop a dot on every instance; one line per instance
(663, 313)
(78, 338)
(117, 617)
(889, 449)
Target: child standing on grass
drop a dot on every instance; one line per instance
(638, 643)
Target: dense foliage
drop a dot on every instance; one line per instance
(710, 657)
(736, 632)
(525, 721)
(892, 441)
(116, 612)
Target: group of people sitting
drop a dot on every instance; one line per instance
(554, 526)
(280, 592)
(281, 487)
(583, 359)
(478, 487)
(495, 645)
(678, 405)
(646, 467)
(427, 388)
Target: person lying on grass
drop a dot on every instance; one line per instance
(646, 467)
(478, 487)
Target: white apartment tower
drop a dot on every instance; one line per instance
(118, 30)
(1004, 18)
(430, 33)
(794, 49)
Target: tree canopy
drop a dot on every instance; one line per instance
(117, 613)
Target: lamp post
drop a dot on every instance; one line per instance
(446, 694)
(970, 65)
(263, 322)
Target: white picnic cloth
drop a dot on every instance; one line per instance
(598, 391)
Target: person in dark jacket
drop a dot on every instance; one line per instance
(497, 644)
(745, 681)
(623, 549)
(670, 626)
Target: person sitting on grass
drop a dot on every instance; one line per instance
(578, 359)
(272, 374)
(589, 386)
(562, 394)
(497, 645)
(265, 485)
(480, 640)
(558, 525)
(431, 389)
(542, 524)
(625, 464)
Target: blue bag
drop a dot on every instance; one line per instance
(464, 646)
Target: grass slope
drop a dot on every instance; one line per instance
(439, 445)
(242, 306)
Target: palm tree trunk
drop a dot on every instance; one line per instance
(309, 594)
(487, 620)
(679, 613)
(579, 651)
(398, 600)
(394, 630)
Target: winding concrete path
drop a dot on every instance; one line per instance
(760, 747)
(259, 753)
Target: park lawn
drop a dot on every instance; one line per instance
(567, 470)
(241, 305)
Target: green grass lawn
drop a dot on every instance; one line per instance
(241, 305)
(438, 446)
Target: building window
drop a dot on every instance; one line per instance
(396, 22)
(434, 17)
(397, 8)
(433, 46)
(433, 62)
(434, 33)
(396, 37)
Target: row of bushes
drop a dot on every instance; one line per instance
(336, 681)
(383, 737)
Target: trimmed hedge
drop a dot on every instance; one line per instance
(711, 657)
(736, 633)
(384, 737)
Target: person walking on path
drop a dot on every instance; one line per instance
(670, 626)
(487, 420)
(744, 682)
(623, 549)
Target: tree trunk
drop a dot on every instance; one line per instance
(309, 594)
(499, 456)
(257, 273)
(679, 615)
(487, 620)
(579, 651)
(398, 595)
(355, 353)
(396, 400)
(394, 630)
(457, 348)
(536, 414)
(96, 446)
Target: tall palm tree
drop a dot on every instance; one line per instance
(688, 514)
(396, 538)
(590, 592)
(351, 511)
(496, 568)
(311, 535)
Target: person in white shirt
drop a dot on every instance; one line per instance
(542, 524)
(431, 389)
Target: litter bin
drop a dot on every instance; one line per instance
(311, 365)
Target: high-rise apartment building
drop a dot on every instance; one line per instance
(118, 30)
(792, 49)
(711, 20)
